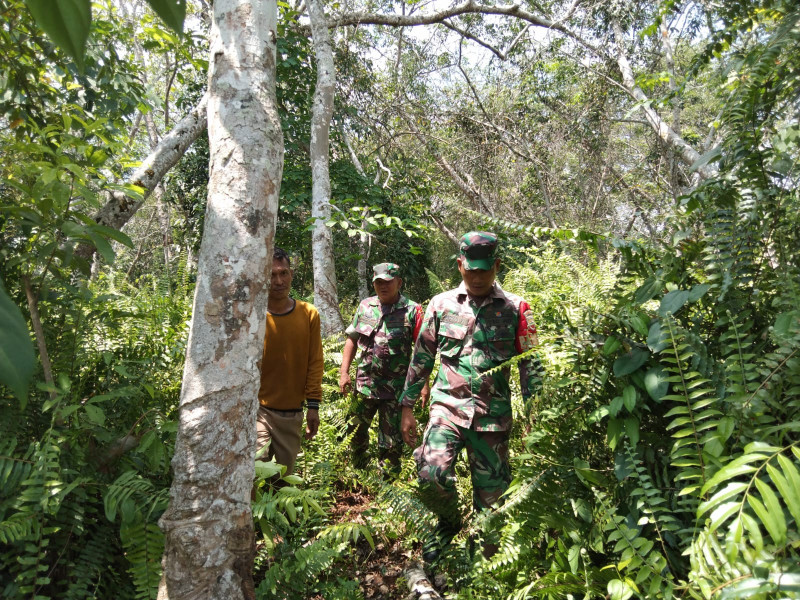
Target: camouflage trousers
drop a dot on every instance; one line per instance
(488, 461)
(390, 441)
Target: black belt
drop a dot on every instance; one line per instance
(285, 410)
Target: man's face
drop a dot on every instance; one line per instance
(388, 291)
(478, 281)
(281, 282)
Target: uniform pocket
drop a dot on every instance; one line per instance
(399, 340)
(500, 340)
(392, 343)
(451, 339)
(366, 326)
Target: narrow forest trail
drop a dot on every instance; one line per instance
(383, 572)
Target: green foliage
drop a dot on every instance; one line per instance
(67, 22)
(664, 458)
(294, 577)
(95, 447)
(300, 551)
(17, 365)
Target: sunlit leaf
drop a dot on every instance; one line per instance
(17, 358)
(673, 302)
(173, 12)
(66, 22)
(656, 383)
(628, 363)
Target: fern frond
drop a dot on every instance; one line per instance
(292, 576)
(347, 533)
(13, 470)
(637, 554)
(694, 417)
(563, 585)
(144, 546)
(20, 527)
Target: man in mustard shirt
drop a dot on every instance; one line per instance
(291, 368)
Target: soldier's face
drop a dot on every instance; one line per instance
(478, 281)
(281, 281)
(388, 291)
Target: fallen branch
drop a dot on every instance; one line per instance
(419, 584)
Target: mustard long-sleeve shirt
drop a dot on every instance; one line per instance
(292, 365)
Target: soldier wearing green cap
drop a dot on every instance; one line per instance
(384, 329)
(474, 328)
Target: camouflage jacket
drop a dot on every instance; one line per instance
(473, 338)
(385, 337)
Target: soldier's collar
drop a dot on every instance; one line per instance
(401, 302)
(496, 292)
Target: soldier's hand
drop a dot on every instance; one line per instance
(312, 423)
(344, 382)
(408, 427)
(426, 395)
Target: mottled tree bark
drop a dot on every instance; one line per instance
(208, 525)
(326, 297)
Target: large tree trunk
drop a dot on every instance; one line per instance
(326, 297)
(208, 525)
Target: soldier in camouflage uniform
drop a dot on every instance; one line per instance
(384, 329)
(475, 328)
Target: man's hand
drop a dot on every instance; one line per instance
(408, 426)
(344, 382)
(348, 352)
(312, 423)
(426, 394)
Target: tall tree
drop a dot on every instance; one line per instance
(208, 525)
(326, 297)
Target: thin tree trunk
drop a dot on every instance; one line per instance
(33, 307)
(208, 526)
(548, 211)
(686, 153)
(326, 297)
(164, 225)
(143, 241)
(669, 60)
(363, 246)
(446, 231)
(153, 136)
(158, 192)
(463, 182)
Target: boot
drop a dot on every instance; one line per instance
(434, 546)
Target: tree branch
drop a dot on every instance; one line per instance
(468, 35)
(120, 207)
(687, 154)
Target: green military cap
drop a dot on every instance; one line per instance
(479, 249)
(386, 271)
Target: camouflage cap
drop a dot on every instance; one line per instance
(479, 249)
(386, 271)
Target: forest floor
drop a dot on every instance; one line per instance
(380, 570)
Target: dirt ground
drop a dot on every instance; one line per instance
(380, 570)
